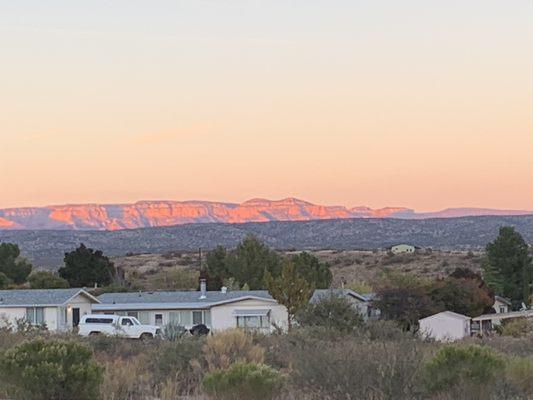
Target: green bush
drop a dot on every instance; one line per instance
(331, 311)
(173, 332)
(4, 280)
(243, 381)
(520, 375)
(47, 280)
(472, 367)
(519, 327)
(50, 370)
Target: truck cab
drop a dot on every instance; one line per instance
(116, 325)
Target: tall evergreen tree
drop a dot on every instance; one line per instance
(509, 267)
(217, 270)
(249, 262)
(310, 268)
(12, 265)
(87, 267)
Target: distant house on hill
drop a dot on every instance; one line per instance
(445, 326)
(402, 249)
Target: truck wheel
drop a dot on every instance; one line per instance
(94, 333)
(146, 336)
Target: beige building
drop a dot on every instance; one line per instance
(402, 249)
(218, 310)
(56, 309)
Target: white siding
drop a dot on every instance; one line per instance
(443, 327)
(10, 315)
(222, 316)
(54, 317)
(80, 301)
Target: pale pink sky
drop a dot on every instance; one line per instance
(414, 103)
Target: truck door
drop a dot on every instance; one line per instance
(127, 327)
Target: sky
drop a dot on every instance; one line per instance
(424, 104)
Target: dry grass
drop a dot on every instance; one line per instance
(226, 348)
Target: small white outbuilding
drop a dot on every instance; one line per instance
(445, 326)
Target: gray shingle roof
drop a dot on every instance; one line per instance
(321, 293)
(177, 299)
(36, 297)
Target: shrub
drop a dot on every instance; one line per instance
(56, 369)
(519, 327)
(333, 312)
(173, 332)
(472, 367)
(520, 375)
(178, 362)
(4, 280)
(126, 379)
(351, 367)
(225, 348)
(360, 287)
(176, 279)
(243, 381)
(47, 280)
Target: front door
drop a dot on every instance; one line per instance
(75, 317)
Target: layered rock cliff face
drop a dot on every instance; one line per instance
(145, 214)
(166, 213)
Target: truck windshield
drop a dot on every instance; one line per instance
(135, 321)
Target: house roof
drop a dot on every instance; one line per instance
(176, 299)
(194, 300)
(321, 293)
(448, 314)
(507, 315)
(40, 297)
(503, 300)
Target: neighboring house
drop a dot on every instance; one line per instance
(445, 326)
(402, 248)
(58, 309)
(218, 310)
(485, 323)
(501, 304)
(363, 303)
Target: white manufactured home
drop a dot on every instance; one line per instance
(57, 309)
(218, 310)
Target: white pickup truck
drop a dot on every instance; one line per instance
(116, 325)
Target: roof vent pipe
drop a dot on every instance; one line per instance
(203, 288)
(224, 289)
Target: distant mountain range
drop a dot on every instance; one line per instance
(47, 248)
(144, 214)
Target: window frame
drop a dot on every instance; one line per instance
(32, 312)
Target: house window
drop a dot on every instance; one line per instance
(503, 309)
(143, 317)
(197, 317)
(253, 322)
(35, 315)
(134, 314)
(159, 319)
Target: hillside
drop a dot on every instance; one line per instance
(146, 214)
(179, 270)
(46, 248)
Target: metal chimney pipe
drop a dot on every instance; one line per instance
(203, 288)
